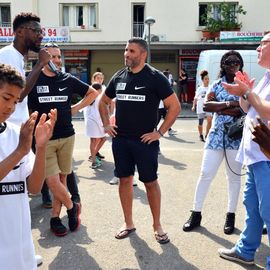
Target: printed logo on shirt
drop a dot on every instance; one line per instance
(12, 188)
(17, 166)
(42, 89)
(49, 99)
(121, 86)
(139, 87)
(62, 89)
(140, 98)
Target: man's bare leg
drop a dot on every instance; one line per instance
(154, 199)
(126, 198)
(58, 187)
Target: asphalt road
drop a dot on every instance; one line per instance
(94, 246)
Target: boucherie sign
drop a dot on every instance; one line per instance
(51, 34)
(227, 36)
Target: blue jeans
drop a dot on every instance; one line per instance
(257, 203)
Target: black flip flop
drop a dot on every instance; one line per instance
(162, 238)
(126, 234)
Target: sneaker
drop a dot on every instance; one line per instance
(76, 199)
(97, 158)
(57, 227)
(229, 223)
(172, 132)
(264, 230)
(114, 181)
(202, 138)
(95, 165)
(231, 255)
(74, 220)
(100, 156)
(193, 221)
(39, 260)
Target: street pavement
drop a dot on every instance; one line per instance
(94, 247)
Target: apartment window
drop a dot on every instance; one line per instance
(215, 12)
(5, 18)
(80, 15)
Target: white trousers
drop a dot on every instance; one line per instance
(210, 164)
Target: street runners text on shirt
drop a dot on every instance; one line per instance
(130, 97)
(52, 99)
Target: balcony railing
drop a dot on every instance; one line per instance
(5, 24)
(138, 29)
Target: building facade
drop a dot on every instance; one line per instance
(93, 34)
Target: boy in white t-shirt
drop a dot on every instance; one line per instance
(20, 172)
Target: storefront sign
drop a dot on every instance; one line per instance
(51, 34)
(56, 34)
(190, 51)
(6, 34)
(240, 36)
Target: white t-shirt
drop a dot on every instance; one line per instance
(16, 244)
(92, 119)
(200, 96)
(9, 55)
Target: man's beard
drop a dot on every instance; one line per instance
(34, 48)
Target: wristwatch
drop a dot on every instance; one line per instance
(245, 96)
(228, 104)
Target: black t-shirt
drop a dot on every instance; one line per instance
(56, 92)
(137, 99)
(183, 81)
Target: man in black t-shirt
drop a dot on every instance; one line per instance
(55, 91)
(138, 89)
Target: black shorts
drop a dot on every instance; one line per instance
(129, 153)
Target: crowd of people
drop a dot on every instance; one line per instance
(36, 113)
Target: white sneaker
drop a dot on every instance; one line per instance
(114, 181)
(172, 132)
(39, 260)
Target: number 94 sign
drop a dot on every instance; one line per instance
(56, 34)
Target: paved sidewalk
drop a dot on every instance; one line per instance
(94, 247)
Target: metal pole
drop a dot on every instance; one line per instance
(149, 49)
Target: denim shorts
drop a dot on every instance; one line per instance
(129, 153)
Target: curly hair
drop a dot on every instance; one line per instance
(9, 75)
(23, 18)
(224, 58)
(203, 73)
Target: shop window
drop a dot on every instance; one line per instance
(82, 16)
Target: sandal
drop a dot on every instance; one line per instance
(124, 233)
(162, 238)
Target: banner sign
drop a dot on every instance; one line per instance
(228, 36)
(56, 34)
(51, 34)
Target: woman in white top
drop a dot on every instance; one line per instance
(198, 104)
(93, 124)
